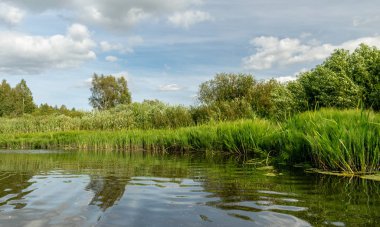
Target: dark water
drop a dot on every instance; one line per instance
(81, 189)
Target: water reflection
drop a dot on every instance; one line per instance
(79, 189)
(107, 190)
(13, 187)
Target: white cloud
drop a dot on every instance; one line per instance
(111, 59)
(128, 48)
(27, 54)
(272, 51)
(106, 46)
(112, 14)
(170, 87)
(284, 79)
(78, 32)
(10, 14)
(188, 18)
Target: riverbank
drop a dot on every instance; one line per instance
(335, 140)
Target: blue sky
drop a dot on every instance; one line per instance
(166, 48)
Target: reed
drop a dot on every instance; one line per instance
(344, 140)
(245, 136)
(336, 140)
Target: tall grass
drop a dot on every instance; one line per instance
(344, 140)
(146, 115)
(246, 136)
(338, 140)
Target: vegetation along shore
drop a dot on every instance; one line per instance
(327, 118)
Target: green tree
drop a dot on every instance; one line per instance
(23, 99)
(226, 87)
(365, 72)
(6, 102)
(363, 68)
(325, 88)
(271, 99)
(299, 96)
(108, 92)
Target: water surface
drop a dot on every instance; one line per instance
(40, 188)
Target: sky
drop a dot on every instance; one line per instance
(167, 48)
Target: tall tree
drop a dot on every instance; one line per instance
(226, 87)
(325, 88)
(108, 92)
(6, 103)
(23, 99)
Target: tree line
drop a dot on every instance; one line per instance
(344, 80)
(18, 101)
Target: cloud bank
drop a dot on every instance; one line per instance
(27, 54)
(272, 51)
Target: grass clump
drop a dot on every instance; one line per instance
(328, 139)
(344, 140)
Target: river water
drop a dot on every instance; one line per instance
(52, 188)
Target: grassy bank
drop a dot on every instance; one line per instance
(337, 140)
(243, 137)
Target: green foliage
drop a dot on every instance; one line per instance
(365, 72)
(363, 68)
(325, 88)
(226, 87)
(6, 101)
(236, 137)
(23, 99)
(342, 140)
(298, 94)
(15, 101)
(108, 92)
(145, 115)
(222, 111)
(271, 99)
(46, 110)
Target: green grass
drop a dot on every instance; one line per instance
(243, 137)
(344, 140)
(336, 140)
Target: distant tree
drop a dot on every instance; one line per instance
(6, 102)
(272, 99)
(108, 92)
(23, 99)
(226, 87)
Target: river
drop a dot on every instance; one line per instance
(55, 188)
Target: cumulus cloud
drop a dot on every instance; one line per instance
(272, 51)
(10, 15)
(188, 18)
(170, 87)
(128, 48)
(113, 14)
(27, 54)
(284, 79)
(111, 59)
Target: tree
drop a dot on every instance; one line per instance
(23, 99)
(108, 92)
(365, 72)
(325, 88)
(226, 87)
(363, 68)
(6, 103)
(272, 99)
